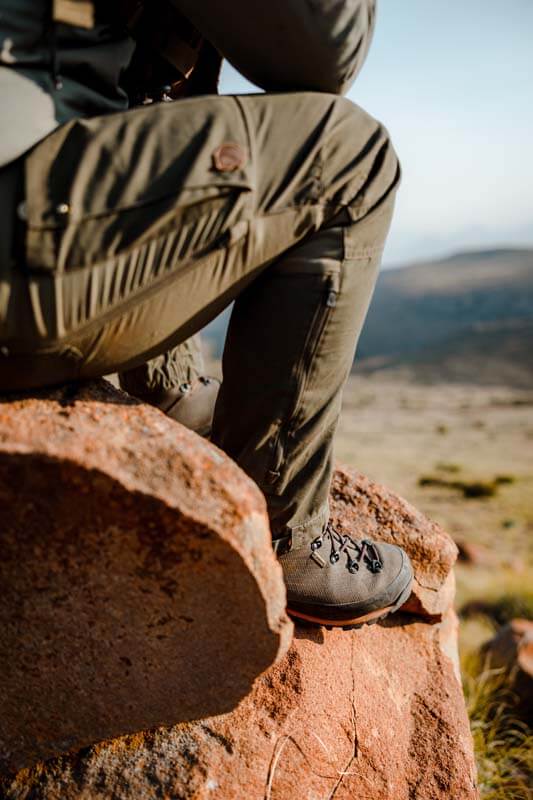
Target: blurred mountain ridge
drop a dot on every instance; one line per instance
(467, 318)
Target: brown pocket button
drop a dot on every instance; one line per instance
(229, 157)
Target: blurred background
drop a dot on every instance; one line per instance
(440, 403)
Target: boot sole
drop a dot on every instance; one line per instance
(356, 622)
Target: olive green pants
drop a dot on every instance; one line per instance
(138, 228)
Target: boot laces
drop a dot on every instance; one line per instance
(356, 552)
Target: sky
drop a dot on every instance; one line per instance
(452, 80)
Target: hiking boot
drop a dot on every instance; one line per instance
(338, 581)
(191, 404)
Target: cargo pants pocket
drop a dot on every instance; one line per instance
(117, 205)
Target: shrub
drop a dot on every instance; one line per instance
(511, 606)
(476, 488)
(443, 466)
(501, 480)
(469, 489)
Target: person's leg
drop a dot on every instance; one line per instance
(159, 239)
(176, 383)
(287, 359)
(313, 161)
(315, 45)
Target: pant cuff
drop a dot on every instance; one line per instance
(302, 533)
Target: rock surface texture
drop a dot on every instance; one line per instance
(138, 583)
(370, 714)
(374, 714)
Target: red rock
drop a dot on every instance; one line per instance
(373, 714)
(138, 583)
(367, 509)
(103, 499)
(512, 649)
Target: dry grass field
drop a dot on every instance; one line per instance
(468, 439)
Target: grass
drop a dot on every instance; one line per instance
(503, 744)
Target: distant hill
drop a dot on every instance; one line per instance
(467, 318)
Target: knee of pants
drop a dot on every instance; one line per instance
(360, 165)
(344, 31)
(309, 45)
